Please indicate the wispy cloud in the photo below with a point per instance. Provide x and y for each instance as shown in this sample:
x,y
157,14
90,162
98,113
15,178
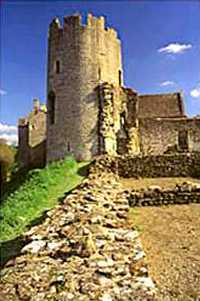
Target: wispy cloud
x,y
10,138
175,48
5,128
195,93
9,133
2,92
167,83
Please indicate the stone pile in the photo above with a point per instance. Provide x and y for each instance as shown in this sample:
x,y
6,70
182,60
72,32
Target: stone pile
x,y
185,193
86,249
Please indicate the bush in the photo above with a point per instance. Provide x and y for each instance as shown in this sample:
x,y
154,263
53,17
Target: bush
x,y
7,158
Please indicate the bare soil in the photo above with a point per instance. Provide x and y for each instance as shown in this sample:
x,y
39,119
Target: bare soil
x,y
162,182
171,239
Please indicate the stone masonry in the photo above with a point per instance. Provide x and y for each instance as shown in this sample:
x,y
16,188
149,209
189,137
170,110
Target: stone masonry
x,y
81,57
85,250
32,137
89,110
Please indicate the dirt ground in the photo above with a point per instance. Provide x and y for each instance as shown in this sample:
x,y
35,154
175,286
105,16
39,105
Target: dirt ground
x,y
162,182
171,239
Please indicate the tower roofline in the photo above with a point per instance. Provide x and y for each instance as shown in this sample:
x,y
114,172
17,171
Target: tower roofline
x,y
75,20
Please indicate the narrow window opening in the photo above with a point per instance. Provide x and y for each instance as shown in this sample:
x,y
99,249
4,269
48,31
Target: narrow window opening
x,y
68,147
120,77
99,73
183,141
57,67
51,107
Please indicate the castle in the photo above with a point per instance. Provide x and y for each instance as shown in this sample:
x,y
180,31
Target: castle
x,y
90,112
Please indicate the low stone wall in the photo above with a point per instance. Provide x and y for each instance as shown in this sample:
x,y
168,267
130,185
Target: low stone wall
x,y
175,165
85,250
155,196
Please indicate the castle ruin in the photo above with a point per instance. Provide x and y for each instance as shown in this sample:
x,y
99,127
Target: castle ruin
x,y
90,112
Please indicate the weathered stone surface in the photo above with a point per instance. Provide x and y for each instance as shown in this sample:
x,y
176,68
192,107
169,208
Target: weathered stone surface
x,y
161,135
82,251
174,165
186,193
32,138
88,55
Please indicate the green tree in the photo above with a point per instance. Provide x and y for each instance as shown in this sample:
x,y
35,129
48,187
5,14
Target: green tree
x,y
7,158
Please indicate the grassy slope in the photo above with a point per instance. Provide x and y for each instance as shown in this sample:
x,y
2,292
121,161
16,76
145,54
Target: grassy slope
x,y
38,193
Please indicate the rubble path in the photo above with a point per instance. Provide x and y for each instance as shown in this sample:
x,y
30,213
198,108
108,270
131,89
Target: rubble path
x,y
86,249
171,239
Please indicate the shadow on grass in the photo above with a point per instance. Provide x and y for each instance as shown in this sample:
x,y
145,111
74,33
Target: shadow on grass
x,y
17,179
11,249
84,170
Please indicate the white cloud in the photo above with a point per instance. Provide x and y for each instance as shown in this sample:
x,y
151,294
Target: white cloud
x,y
195,92
10,138
9,133
167,83
2,92
175,48
5,128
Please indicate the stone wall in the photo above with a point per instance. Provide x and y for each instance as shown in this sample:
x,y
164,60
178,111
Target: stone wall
x,y
155,196
87,55
128,134
158,136
85,249
175,165
161,105
32,140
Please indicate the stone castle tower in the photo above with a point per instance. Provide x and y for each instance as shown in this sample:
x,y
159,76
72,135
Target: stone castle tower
x,y
80,59
89,110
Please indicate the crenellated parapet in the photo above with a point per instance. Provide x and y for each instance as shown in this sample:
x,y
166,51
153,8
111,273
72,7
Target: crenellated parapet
x,y
75,22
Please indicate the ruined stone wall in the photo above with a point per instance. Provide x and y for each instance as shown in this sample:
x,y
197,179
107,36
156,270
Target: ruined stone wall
x,y
161,105
32,140
85,248
157,135
185,193
87,55
128,134
109,117
174,165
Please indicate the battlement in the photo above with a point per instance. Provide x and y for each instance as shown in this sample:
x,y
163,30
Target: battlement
x,y
22,122
37,110
76,22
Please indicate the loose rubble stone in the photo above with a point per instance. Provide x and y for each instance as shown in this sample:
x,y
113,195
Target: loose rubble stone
x,y
34,247
84,250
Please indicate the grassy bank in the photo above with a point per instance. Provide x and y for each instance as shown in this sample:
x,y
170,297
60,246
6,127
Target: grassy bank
x,y
41,191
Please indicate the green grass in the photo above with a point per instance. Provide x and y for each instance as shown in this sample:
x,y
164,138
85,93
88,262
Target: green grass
x,y
40,191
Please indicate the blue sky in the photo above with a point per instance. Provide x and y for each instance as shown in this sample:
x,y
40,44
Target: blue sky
x,y
160,45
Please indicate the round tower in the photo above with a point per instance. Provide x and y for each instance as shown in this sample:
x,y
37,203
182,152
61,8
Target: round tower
x,y
80,58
